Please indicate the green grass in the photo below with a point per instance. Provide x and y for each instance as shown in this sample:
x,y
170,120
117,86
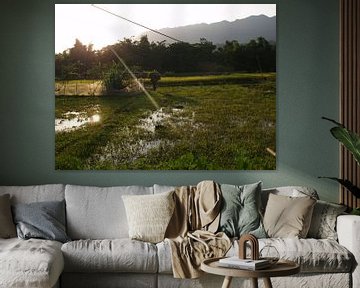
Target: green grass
x,y
222,77
222,126
234,78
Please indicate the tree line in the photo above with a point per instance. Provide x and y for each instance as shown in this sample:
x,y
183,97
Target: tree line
x,y
83,62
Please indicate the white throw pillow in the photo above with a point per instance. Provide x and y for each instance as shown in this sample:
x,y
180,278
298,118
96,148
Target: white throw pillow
x,y
149,215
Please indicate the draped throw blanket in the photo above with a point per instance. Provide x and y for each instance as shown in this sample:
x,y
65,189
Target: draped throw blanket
x,y
191,231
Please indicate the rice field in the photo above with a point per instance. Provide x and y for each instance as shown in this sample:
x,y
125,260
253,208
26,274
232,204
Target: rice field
x,y
210,122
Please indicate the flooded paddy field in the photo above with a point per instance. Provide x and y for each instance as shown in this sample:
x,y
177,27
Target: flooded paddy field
x,y
218,126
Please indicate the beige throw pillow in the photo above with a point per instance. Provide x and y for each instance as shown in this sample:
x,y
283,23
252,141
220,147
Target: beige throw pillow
x,y
148,215
288,217
7,226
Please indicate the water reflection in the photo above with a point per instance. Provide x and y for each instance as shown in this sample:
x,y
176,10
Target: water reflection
x,y
75,121
159,117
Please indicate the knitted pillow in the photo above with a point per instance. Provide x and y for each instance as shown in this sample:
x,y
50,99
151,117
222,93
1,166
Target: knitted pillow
x,y
149,215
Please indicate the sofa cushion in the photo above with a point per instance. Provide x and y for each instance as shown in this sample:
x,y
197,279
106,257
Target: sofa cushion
x,y
149,215
313,255
240,210
323,222
98,213
7,226
43,220
30,263
164,257
287,216
36,193
163,188
117,255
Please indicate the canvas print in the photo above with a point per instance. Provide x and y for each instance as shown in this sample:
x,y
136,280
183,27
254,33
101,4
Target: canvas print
x,y
165,86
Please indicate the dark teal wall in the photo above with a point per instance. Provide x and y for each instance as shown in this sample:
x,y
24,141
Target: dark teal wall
x,y
307,89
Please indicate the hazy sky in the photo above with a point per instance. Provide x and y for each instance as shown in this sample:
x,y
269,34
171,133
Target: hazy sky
x,y
91,25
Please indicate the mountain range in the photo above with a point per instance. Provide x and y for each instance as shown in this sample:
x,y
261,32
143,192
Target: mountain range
x,y
242,30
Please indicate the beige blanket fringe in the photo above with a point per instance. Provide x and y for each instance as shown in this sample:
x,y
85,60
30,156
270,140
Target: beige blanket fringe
x,y
191,231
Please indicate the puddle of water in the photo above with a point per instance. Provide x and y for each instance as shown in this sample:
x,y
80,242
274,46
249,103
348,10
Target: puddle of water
x,y
119,154
159,117
155,119
75,121
135,147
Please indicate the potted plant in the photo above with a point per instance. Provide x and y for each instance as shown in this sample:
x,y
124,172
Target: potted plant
x,y
351,141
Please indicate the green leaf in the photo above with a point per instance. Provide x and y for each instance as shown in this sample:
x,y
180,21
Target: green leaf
x,y
355,211
347,184
349,139
333,121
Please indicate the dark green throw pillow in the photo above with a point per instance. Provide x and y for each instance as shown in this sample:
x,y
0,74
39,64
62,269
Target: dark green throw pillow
x,y
43,220
240,210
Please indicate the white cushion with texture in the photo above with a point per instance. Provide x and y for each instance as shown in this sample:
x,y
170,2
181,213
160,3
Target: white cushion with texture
x,y
117,255
313,255
30,263
98,213
348,229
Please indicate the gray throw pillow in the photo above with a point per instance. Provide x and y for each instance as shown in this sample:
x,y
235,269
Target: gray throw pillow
x,y
44,220
7,227
323,222
240,213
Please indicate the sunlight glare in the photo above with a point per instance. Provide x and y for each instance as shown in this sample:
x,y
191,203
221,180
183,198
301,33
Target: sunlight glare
x,y
95,118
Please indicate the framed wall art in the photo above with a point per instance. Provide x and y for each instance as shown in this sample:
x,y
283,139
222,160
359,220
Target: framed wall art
x,y
165,87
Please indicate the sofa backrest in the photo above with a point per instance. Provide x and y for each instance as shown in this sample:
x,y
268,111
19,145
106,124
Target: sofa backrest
x,y
98,212
163,188
36,193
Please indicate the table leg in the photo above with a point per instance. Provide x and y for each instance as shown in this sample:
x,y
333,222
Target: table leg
x,y
267,283
227,282
254,282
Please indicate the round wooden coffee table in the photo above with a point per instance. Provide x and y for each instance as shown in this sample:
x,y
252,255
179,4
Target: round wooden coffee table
x,y
281,268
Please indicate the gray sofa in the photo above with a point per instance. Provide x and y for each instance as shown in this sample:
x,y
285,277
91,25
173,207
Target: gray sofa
x,y
101,254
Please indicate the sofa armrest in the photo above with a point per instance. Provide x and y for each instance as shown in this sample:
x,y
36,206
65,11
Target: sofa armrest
x,y
348,230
